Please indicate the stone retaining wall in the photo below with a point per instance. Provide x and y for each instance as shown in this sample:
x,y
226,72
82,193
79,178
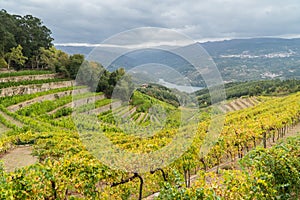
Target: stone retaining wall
x,y
49,97
30,89
28,78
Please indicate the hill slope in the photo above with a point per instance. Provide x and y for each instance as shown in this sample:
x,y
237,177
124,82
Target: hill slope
x,y
237,60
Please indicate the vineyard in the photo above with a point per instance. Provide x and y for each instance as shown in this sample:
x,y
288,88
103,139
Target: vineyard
x,y
45,118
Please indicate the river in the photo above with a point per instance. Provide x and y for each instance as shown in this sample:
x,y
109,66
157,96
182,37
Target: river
x,y
182,88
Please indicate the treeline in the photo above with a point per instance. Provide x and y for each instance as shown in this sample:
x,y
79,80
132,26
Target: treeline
x,y
160,92
97,78
25,42
252,88
18,32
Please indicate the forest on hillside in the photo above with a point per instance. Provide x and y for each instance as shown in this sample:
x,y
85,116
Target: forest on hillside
x,y
26,43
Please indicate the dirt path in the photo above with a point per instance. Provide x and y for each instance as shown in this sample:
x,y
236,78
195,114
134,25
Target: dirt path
x,y
17,158
291,132
11,119
139,119
104,108
234,105
3,129
238,104
130,112
49,97
79,102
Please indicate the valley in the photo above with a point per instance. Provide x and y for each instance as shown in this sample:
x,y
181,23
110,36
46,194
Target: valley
x,y
149,113
56,153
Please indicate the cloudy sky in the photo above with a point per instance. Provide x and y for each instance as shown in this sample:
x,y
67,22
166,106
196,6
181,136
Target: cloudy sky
x,y
92,21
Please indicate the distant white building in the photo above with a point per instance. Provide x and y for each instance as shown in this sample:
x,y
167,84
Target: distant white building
x,y
145,85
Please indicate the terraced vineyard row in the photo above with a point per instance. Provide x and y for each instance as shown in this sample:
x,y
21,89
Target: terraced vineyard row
x,y
19,83
28,78
25,88
238,104
5,74
65,169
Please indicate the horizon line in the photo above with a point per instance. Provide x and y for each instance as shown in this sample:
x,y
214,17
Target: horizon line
x,y
201,41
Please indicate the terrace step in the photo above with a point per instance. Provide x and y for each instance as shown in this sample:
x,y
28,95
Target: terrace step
x,y
49,97
29,78
34,88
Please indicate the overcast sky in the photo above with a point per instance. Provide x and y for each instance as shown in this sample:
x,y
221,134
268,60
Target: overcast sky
x,y
92,21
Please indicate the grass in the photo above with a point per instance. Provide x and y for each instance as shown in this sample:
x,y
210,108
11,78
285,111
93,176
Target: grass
x,y
24,73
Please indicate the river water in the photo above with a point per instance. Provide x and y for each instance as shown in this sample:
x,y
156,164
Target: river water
x,y
182,88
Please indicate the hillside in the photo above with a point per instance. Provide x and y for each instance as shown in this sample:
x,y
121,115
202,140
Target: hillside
x,y
252,88
144,115
256,59
237,60
58,125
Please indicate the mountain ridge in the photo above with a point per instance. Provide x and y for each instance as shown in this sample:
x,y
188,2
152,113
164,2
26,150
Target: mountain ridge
x,y
236,59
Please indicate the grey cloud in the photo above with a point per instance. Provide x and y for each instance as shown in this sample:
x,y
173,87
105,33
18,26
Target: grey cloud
x,y
93,21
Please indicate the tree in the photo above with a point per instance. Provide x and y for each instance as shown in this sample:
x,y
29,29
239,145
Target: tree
x,y
124,88
103,83
108,81
45,58
3,63
51,58
62,60
7,28
32,34
28,31
90,74
16,57
74,64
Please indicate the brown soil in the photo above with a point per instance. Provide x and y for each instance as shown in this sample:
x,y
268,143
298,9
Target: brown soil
x,y
3,129
10,119
294,131
17,158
